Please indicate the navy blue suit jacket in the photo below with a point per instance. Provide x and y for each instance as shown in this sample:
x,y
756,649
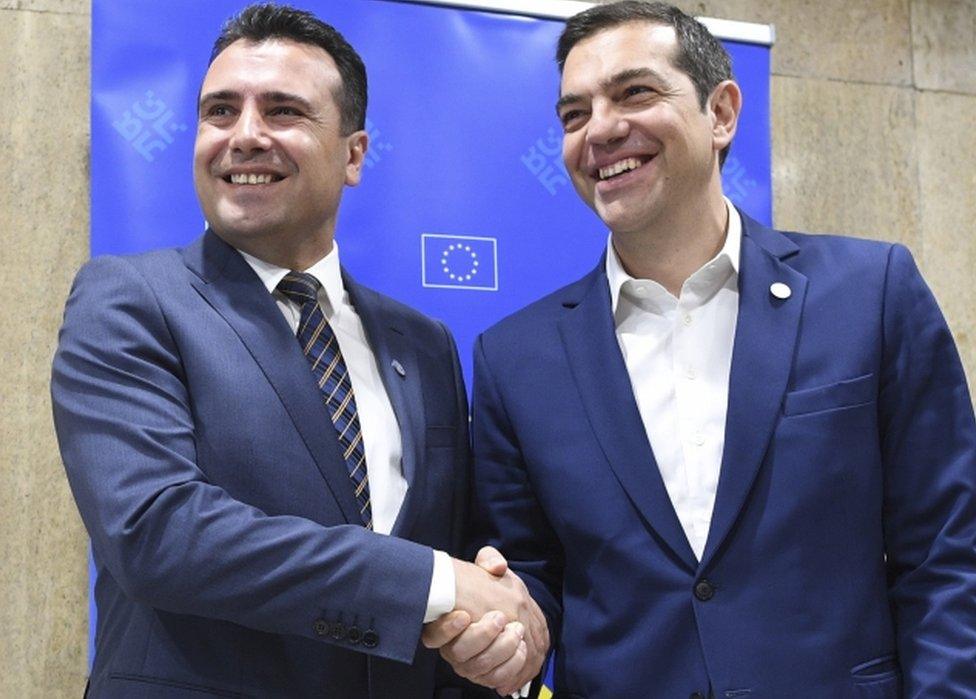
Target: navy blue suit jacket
x,y
223,523
841,559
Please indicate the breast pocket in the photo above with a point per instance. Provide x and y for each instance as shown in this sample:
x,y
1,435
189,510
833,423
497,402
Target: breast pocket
x,y
843,394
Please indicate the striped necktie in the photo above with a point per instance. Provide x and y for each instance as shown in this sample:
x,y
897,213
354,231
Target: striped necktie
x,y
321,349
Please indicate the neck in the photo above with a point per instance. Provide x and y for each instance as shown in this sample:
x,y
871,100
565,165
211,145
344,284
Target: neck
x,y
675,247
288,252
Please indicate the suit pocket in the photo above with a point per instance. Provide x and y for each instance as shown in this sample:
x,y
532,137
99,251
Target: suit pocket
x,y
843,394
174,688
441,436
878,679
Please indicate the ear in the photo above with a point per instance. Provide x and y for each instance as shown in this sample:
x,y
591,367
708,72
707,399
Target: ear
x,y
356,145
724,105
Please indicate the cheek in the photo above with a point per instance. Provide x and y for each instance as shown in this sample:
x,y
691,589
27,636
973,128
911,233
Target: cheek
x,y
571,154
205,151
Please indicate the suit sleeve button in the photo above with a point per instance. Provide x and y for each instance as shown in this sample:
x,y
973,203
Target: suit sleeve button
x,y
704,590
320,627
338,631
371,639
354,635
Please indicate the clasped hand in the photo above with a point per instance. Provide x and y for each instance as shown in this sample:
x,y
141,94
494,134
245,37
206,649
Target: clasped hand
x,y
496,636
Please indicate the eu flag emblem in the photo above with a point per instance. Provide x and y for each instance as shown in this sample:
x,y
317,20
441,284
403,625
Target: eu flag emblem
x,y
459,262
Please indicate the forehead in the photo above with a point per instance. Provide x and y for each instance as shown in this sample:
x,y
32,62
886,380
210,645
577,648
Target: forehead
x,y
609,52
273,65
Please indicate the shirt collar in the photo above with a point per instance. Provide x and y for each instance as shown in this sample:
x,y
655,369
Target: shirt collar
x,y
729,254
326,270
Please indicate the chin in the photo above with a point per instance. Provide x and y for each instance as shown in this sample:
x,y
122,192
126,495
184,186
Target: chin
x,y
239,229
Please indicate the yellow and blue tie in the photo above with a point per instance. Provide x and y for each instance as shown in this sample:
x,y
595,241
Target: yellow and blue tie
x,y
321,349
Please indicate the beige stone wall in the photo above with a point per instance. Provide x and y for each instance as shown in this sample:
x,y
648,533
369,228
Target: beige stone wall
x,y
874,134
44,214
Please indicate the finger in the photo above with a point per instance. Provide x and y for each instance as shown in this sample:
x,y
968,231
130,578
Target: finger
x,y
475,639
505,676
445,629
502,649
536,627
491,560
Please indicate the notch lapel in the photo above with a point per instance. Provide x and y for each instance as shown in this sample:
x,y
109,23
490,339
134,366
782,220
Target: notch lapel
x,y
762,359
232,288
391,347
598,368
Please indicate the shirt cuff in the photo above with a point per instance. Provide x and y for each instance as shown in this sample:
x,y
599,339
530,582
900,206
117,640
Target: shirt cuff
x,y
440,599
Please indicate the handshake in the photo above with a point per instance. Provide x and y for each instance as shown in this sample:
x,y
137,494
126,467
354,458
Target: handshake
x,y
496,636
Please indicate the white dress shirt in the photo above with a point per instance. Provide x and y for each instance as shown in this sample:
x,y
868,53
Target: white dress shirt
x,y
381,432
678,353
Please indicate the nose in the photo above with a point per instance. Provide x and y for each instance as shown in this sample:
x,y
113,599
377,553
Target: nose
x,y
250,131
606,125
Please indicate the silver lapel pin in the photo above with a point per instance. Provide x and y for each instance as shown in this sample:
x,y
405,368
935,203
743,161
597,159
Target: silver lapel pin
x,y
780,290
398,368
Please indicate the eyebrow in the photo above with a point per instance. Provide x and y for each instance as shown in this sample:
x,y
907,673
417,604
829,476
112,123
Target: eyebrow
x,y
274,97
614,81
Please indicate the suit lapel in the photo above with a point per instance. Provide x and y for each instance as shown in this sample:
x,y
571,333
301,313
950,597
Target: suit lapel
x,y
762,358
232,288
605,390
393,351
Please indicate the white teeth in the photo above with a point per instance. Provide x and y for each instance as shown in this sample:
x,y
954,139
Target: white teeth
x,y
624,165
251,179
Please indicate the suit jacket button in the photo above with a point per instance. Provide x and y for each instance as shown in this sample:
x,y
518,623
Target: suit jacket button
x,y
371,639
321,627
704,590
338,631
697,695
354,635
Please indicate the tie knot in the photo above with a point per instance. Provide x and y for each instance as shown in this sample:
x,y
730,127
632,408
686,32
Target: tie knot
x,y
300,287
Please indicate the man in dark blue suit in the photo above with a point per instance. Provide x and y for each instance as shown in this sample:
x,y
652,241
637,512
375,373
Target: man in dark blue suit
x,y
271,459
730,461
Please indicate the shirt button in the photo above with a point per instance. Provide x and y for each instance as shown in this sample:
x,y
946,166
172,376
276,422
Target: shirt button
x,y
690,373
698,438
687,319
640,290
704,590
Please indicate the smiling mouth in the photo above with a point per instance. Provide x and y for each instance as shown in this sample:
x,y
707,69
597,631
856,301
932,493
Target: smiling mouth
x,y
252,178
620,167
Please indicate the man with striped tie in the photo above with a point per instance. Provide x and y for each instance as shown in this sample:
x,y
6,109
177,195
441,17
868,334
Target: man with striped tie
x,y
270,517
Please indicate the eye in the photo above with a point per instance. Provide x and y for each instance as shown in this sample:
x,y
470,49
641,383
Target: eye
x,y
217,111
284,110
635,90
572,119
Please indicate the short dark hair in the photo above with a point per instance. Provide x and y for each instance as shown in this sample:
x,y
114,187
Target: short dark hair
x,y
264,21
699,55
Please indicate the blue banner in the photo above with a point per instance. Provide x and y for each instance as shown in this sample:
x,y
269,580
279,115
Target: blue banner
x,y
465,210
465,149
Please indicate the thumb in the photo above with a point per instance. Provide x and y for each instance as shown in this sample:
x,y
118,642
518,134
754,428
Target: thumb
x,y
491,560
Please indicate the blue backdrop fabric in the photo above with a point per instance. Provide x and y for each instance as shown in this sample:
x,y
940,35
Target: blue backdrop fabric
x,y
465,210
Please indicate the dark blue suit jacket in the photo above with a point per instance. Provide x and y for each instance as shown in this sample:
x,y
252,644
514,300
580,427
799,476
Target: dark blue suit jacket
x,y
223,522
841,560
